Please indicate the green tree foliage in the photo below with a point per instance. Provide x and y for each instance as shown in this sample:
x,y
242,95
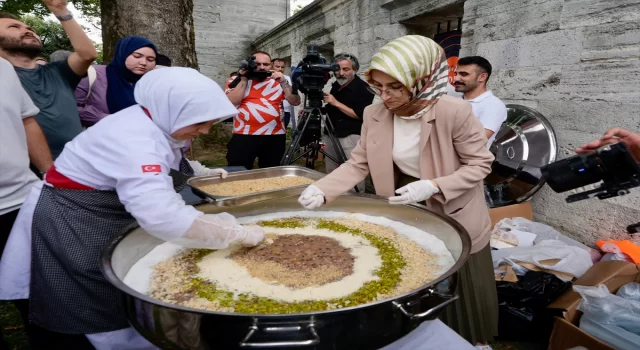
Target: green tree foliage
x,y
297,9
89,8
51,34
100,59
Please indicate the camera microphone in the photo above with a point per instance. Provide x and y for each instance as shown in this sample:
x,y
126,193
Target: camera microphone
x,y
243,65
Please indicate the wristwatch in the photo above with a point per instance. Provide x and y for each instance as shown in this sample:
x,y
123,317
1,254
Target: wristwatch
x,y
66,17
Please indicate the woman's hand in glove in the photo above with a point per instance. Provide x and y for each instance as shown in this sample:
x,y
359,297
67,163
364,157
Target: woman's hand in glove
x,y
201,170
414,192
312,197
217,231
215,172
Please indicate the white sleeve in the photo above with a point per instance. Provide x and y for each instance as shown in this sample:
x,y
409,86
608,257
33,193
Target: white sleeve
x,y
146,190
27,108
493,117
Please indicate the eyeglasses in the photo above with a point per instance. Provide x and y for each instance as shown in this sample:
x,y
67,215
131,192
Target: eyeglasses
x,y
393,92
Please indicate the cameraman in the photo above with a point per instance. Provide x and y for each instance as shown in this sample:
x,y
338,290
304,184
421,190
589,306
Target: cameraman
x,y
345,104
258,129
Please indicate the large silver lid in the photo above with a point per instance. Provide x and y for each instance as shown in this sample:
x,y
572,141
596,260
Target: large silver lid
x,y
525,143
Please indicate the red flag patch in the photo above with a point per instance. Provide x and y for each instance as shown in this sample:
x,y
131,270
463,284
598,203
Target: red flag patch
x,y
153,168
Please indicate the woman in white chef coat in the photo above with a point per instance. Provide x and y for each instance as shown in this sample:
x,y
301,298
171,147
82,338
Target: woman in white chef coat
x,y
124,169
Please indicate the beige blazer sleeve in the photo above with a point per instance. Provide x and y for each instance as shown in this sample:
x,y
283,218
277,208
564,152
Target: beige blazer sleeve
x,y
470,143
350,173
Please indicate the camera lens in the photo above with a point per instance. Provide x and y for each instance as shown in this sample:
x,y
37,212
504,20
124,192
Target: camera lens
x,y
610,164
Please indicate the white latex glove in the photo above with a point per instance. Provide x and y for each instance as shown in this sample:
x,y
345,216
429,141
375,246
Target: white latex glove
x,y
414,192
217,231
312,197
201,170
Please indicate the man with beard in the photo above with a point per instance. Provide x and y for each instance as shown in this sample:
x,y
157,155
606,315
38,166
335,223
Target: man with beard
x,y
278,66
258,130
345,105
471,78
51,86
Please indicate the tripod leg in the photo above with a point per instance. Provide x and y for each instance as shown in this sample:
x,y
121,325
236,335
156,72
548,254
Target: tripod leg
x,y
311,160
295,142
334,140
336,144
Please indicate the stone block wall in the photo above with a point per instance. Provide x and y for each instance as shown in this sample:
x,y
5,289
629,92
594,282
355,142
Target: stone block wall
x,y
225,29
357,27
578,63
575,61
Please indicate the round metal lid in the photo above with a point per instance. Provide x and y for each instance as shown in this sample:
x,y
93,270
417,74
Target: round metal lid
x,y
525,143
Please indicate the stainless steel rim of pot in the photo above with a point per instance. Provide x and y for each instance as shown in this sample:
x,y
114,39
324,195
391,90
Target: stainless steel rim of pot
x,y
107,267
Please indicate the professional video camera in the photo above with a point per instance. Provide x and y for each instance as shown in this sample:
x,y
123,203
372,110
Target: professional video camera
x,y
312,74
252,72
310,77
613,165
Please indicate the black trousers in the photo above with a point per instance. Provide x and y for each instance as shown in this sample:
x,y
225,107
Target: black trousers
x,y
6,223
243,150
39,338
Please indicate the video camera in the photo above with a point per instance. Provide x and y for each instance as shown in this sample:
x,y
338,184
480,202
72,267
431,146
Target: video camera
x,y
252,72
613,165
312,74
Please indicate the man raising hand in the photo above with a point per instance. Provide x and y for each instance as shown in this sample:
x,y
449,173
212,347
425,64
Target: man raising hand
x,y
51,86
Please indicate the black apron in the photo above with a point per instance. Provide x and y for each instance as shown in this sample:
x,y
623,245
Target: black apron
x,y
68,293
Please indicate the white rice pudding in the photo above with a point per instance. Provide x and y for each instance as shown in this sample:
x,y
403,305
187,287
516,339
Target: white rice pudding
x,y
228,275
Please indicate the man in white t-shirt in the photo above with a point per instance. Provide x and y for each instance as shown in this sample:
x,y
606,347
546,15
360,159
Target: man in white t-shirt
x,y
289,112
22,140
471,78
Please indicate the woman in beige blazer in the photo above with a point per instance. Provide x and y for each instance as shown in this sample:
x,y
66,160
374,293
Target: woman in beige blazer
x,y
426,146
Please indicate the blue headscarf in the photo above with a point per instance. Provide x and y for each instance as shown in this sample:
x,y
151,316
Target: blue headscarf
x,y
121,81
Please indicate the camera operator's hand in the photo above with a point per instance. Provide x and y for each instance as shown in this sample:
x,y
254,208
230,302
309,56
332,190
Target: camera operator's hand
x,y
329,99
615,135
242,72
278,76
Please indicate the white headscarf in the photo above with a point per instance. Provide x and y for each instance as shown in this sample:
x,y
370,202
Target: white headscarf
x,y
177,97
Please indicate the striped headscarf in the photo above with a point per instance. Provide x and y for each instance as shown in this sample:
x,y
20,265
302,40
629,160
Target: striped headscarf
x,y
419,64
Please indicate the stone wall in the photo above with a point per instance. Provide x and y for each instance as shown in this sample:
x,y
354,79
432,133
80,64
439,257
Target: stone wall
x,y
224,31
578,63
575,61
358,27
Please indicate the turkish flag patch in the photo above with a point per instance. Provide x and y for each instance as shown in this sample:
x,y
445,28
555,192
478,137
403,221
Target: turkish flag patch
x,y
153,168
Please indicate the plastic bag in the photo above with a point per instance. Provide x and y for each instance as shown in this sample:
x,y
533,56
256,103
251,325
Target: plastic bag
x,y
599,305
505,235
573,260
545,232
522,306
630,291
615,336
616,257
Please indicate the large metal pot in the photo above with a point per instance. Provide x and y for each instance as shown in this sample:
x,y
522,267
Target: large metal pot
x,y
369,326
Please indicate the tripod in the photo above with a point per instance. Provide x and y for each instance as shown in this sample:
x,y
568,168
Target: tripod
x,y
309,134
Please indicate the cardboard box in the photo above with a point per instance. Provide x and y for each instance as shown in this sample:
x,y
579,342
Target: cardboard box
x,y
520,210
566,332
